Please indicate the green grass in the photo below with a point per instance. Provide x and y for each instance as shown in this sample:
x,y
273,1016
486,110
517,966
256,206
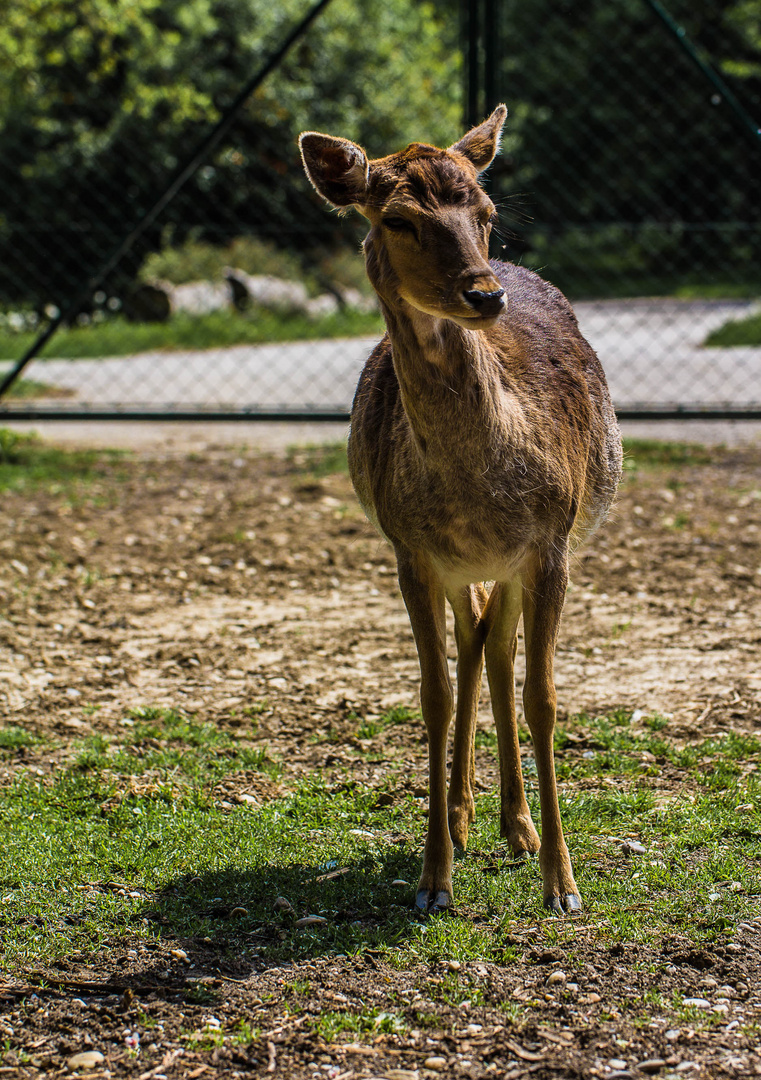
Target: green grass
x,y
368,728
118,337
736,332
28,389
27,463
662,454
172,748
318,461
130,839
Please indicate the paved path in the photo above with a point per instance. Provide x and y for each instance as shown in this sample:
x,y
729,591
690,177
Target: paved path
x,y
651,350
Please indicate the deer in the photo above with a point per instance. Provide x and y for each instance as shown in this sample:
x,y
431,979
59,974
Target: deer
x,y
484,447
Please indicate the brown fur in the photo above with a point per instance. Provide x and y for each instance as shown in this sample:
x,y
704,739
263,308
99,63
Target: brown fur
x,y
483,445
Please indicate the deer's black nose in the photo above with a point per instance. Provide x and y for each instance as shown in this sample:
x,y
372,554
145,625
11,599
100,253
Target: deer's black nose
x,y
485,303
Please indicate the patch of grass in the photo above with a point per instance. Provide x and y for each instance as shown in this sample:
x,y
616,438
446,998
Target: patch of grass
x,y
28,389
171,747
96,854
27,463
658,454
14,738
318,461
219,329
736,332
399,714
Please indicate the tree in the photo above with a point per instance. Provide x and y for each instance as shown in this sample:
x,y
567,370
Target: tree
x,y
101,100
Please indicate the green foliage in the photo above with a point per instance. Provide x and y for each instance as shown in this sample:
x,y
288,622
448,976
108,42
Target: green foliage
x,y
736,332
200,261
629,177
100,103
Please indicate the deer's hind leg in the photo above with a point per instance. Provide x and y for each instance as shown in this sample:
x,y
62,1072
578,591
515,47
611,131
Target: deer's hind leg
x,y
543,599
424,596
501,622
467,605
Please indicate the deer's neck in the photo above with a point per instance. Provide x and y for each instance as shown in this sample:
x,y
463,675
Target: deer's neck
x,y
452,386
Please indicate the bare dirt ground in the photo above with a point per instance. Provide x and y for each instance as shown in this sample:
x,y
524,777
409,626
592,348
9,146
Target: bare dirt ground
x,y
205,583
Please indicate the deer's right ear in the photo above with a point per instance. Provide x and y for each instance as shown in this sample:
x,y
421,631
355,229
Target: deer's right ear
x,y
337,168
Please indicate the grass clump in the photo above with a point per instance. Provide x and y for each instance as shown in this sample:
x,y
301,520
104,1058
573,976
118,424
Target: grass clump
x,y
27,463
736,332
318,461
659,454
171,747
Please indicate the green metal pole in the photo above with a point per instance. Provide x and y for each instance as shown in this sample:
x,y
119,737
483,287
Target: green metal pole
x,y
749,126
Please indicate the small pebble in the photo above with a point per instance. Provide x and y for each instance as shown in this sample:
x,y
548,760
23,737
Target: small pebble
x,y
556,978
686,1066
454,965
617,1063
238,913
652,1065
633,847
311,920
401,1074
709,982
436,1064
400,883
473,1029
179,954
672,1034
696,1003
86,1060
283,905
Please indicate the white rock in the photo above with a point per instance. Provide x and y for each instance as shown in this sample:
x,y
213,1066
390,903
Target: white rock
x,y
271,292
325,304
557,978
89,1059
696,1003
200,297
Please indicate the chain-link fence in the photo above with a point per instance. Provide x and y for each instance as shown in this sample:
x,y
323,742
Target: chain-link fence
x,y
162,253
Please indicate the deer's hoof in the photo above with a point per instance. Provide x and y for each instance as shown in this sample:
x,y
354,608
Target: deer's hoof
x,y
429,902
570,904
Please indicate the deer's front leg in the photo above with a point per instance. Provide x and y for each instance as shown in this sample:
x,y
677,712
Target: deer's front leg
x,y
467,605
543,597
424,596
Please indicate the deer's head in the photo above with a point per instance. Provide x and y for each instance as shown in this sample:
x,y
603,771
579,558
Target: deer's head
x,y
429,217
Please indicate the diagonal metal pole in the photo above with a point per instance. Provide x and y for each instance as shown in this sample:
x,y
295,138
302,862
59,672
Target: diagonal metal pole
x,y
184,174
748,124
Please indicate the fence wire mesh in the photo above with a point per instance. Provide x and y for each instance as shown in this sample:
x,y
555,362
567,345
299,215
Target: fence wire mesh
x,y
628,176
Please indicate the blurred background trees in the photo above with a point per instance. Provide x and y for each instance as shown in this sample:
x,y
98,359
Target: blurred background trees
x,y
618,157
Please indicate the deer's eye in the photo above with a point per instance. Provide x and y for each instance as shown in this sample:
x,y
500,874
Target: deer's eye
x,y
399,224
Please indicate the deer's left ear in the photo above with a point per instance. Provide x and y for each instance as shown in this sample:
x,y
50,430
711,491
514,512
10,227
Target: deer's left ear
x,y
482,143
337,168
